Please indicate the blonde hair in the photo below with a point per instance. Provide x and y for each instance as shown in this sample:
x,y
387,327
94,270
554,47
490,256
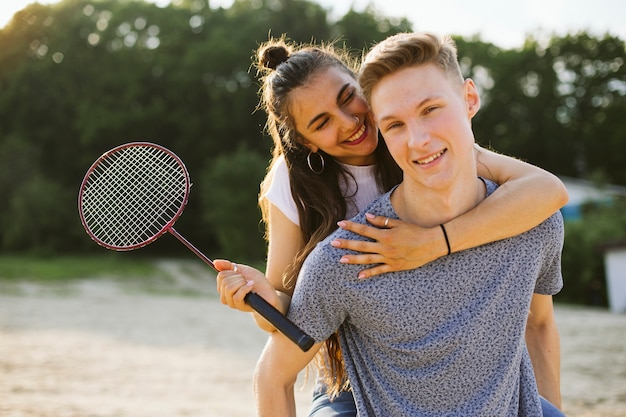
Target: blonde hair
x,y
406,50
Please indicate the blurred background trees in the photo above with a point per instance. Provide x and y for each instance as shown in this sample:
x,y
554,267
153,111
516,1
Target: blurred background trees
x,y
80,77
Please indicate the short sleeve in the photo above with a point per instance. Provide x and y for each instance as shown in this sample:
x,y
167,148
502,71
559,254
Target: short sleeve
x,y
279,191
550,279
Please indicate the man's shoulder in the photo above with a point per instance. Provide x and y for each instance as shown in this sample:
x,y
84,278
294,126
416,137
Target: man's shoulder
x,y
325,257
553,225
379,207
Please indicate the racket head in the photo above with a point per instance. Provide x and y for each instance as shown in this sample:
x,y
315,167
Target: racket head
x,y
133,194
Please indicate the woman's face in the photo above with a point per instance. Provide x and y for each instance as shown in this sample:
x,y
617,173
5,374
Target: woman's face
x,y
325,113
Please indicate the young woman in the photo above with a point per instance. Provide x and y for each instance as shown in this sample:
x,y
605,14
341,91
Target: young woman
x,y
328,163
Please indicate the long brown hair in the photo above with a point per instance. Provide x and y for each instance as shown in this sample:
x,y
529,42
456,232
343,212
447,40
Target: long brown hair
x,y
284,66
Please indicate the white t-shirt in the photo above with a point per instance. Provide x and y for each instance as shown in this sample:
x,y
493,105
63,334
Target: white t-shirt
x,y
279,191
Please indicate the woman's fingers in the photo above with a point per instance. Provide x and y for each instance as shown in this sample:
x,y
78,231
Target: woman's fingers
x,y
233,287
376,270
356,245
235,281
374,231
380,264
223,265
380,221
392,245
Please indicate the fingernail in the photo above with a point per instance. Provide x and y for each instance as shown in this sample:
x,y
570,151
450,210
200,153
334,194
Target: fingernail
x,y
341,223
344,260
335,243
369,215
249,283
362,275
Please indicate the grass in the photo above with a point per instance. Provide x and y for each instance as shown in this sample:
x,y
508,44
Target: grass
x,y
56,269
132,274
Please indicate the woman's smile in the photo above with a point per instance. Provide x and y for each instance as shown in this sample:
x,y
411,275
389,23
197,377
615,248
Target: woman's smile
x,y
359,136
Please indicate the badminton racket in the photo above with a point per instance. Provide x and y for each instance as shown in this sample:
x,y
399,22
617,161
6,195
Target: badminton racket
x,y
133,194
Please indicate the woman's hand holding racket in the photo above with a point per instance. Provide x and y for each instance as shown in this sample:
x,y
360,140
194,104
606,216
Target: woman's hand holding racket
x,y
236,281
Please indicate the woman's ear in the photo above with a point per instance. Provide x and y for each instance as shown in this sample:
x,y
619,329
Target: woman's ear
x,y
307,144
472,98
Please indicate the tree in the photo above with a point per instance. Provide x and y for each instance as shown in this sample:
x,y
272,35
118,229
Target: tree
x,y
558,105
229,189
361,31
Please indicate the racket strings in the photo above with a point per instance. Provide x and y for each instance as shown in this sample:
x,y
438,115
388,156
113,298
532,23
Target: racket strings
x,y
132,195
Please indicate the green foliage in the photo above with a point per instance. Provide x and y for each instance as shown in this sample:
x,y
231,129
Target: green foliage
x,y
363,30
229,187
583,251
556,105
62,268
37,213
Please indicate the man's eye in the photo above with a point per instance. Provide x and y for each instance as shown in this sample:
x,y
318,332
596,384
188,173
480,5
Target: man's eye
x,y
393,126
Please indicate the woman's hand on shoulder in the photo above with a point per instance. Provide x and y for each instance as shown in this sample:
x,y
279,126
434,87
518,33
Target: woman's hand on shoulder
x,y
235,281
396,245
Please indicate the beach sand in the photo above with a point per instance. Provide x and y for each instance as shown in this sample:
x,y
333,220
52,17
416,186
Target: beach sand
x,y
112,348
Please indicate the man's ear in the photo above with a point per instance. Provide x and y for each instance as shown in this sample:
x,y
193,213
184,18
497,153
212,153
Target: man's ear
x,y
472,98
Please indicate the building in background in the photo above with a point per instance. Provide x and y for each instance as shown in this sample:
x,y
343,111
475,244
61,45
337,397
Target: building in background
x,y
583,191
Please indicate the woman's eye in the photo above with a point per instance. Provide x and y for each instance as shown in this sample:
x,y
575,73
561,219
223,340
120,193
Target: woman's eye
x,y
322,124
348,98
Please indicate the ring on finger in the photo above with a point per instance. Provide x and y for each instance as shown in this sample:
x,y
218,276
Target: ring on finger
x,y
386,221
235,267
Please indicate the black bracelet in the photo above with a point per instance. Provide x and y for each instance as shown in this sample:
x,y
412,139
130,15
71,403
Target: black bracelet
x,y
445,235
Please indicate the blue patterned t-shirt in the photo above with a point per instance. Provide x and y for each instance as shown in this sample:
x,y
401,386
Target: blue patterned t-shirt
x,y
445,339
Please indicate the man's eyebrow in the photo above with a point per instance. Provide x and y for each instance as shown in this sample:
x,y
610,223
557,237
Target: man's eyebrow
x,y
417,106
339,94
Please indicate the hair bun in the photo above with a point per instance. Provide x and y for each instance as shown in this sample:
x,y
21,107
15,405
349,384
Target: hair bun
x,y
272,56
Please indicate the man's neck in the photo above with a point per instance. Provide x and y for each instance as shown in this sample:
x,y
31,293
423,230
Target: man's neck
x,y
429,207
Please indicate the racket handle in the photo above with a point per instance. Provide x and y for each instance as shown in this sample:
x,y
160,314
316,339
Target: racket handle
x,y
282,323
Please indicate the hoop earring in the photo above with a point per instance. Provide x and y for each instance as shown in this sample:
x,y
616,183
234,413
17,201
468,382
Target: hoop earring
x,y
308,161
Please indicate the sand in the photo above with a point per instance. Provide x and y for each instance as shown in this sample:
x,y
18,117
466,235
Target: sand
x,y
107,347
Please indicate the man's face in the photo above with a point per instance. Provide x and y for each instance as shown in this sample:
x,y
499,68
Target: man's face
x,y
425,118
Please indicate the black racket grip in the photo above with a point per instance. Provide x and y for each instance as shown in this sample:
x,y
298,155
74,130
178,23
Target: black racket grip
x,y
282,323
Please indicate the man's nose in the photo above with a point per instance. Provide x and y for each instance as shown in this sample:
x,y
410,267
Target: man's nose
x,y
417,136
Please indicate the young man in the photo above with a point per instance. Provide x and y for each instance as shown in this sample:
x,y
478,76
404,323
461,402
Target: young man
x,y
447,338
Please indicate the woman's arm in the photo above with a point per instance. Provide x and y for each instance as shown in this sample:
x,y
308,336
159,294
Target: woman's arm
x,y
528,195
284,242
544,348
276,373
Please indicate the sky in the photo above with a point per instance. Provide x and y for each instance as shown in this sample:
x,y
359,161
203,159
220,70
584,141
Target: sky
x,y
505,23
